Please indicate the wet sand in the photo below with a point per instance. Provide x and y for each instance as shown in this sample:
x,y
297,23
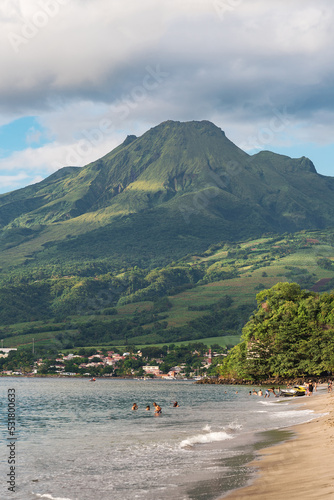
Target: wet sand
x,y
301,468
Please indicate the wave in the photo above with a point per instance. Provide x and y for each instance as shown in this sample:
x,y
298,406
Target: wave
x,y
50,497
269,403
210,437
234,426
291,413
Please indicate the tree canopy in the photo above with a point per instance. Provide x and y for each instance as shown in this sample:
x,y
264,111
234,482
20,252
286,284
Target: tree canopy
x,y
291,334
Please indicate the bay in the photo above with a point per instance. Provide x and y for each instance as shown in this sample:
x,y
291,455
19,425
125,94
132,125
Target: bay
x,y
80,440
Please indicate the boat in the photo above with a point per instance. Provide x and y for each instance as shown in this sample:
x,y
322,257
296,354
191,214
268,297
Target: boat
x,y
298,390
92,379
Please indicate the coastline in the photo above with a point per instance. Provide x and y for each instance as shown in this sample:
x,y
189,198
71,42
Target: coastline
x,y
300,468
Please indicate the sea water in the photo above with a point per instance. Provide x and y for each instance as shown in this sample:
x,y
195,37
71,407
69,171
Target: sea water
x,y
80,440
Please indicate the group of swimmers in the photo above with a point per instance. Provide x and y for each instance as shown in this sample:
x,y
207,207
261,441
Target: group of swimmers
x,y
157,408
266,394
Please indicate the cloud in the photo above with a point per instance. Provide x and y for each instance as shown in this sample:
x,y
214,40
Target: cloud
x,y
77,63
97,50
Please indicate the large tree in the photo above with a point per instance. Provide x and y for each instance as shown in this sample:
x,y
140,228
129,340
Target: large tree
x,y
291,334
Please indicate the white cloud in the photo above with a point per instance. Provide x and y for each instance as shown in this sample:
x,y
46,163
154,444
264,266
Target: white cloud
x,y
79,62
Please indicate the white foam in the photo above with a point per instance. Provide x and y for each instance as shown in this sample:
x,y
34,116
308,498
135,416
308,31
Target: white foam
x,y
50,497
234,426
291,413
211,437
268,403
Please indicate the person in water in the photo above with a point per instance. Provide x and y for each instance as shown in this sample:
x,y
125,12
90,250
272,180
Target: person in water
x,y
157,409
134,406
148,408
176,404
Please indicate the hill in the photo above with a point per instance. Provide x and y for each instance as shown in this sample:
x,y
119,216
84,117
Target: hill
x,y
167,238
173,191
207,297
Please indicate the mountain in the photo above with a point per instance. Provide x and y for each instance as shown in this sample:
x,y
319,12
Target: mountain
x,y
175,190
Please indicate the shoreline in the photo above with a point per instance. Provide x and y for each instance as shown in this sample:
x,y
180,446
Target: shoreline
x,y
301,467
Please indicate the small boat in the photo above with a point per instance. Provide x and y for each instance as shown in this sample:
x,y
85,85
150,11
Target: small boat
x,y
92,380
298,390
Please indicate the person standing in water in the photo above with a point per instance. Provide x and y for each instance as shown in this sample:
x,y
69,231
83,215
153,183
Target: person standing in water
x,y
157,409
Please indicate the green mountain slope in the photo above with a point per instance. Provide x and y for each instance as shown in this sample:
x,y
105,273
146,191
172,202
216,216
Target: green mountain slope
x,y
175,190
208,295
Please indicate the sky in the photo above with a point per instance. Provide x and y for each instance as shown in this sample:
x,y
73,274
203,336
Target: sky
x,y
78,76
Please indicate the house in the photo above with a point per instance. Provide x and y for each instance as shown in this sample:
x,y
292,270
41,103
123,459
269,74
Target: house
x,y
151,370
4,351
96,356
117,357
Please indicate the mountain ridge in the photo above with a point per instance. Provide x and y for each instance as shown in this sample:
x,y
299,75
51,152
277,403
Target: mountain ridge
x,y
180,186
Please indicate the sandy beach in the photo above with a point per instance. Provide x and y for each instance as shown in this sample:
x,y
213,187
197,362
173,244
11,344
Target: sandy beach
x,y
301,468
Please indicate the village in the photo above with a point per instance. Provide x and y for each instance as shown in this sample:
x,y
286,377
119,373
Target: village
x,y
191,361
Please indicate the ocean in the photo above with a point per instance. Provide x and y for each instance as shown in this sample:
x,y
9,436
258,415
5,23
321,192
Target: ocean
x,y
80,440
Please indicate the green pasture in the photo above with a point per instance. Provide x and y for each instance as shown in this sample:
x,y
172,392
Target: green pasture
x,y
43,338
222,341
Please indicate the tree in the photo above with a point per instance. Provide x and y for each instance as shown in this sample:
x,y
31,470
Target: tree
x,y
291,334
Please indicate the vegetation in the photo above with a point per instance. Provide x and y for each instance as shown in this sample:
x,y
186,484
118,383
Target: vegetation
x,y
184,301
291,334
176,190
188,358
167,238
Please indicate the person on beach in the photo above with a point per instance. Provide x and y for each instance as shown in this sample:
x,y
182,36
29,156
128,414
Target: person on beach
x,y
310,388
330,385
134,406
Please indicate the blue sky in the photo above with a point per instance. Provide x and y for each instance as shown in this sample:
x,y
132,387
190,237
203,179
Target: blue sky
x,y
20,134
80,75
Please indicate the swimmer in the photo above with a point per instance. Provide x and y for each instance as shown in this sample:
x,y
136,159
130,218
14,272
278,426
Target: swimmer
x,y
134,406
176,404
148,408
157,409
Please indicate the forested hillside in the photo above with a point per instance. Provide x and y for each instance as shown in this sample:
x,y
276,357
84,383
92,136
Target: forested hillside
x,y
207,295
168,237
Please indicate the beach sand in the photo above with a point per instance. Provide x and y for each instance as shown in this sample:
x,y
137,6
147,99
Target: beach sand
x,y
301,468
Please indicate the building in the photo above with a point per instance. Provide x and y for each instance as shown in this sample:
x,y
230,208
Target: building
x,y
4,351
151,370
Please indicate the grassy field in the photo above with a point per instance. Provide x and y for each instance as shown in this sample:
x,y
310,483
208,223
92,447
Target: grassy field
x,y
221,341
259,267
44,338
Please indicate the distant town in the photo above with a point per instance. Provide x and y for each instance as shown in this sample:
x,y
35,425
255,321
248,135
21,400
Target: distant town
x,y
194,360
